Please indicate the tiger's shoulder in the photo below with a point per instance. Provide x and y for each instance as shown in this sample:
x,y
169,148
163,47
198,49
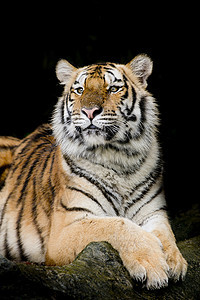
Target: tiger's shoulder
x,y
41,136
15,153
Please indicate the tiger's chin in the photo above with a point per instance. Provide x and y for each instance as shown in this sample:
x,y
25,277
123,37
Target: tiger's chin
x,y
94,138
93,135
93,131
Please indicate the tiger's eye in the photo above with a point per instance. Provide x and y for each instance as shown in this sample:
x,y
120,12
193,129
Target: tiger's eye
x,y
79,91
114,89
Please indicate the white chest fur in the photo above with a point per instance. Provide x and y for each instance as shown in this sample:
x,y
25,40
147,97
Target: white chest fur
x,y
115,187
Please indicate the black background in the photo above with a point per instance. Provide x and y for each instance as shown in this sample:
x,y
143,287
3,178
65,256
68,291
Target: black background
x,y
35,37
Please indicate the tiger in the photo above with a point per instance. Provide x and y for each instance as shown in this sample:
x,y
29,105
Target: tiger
x,y
94,173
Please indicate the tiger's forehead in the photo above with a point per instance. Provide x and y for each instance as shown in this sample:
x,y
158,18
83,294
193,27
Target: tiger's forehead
x,y
108,73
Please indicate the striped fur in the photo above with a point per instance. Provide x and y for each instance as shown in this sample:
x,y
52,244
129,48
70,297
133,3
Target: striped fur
x,y
7,148
94,175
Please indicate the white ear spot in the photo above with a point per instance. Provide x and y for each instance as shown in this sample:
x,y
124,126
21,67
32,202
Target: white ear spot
x,y
64,71
142,67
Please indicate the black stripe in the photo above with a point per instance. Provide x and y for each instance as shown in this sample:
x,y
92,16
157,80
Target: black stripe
x,y
2,184
24,149
163,208
68,119
134,97
36,187
128,152
18,181
35,216
75,82
110,131
45,162
151,198
27,180
132,169
125,96
3,168
130,115
21,200
117,80
141,126
3,147
114,78
112,65
127,136
29,142
83,173
23,257
108,71
69,100
6,247
76,209
147,183
88,195
153,175
31,168
51,186
142,106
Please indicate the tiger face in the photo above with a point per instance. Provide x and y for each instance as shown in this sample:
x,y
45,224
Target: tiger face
x,y
103,103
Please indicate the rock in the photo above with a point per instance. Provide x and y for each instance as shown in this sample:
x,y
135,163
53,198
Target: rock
x,y
187,224
98,273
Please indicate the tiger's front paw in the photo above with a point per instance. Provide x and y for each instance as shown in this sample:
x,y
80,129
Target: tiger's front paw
x,y
147,263
177,264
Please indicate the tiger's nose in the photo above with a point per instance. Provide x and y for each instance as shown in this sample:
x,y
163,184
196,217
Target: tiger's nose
x,y
91,113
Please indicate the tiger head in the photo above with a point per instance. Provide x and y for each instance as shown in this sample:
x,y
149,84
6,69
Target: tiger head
x,y
103,105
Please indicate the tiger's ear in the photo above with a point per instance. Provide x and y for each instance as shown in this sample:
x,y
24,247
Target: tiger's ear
x,y
142,67
64,71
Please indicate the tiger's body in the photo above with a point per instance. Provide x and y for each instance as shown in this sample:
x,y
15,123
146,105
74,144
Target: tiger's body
x,y
94,175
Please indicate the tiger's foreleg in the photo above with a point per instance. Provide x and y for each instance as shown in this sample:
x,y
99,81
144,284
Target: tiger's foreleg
x,y
141,252
161,228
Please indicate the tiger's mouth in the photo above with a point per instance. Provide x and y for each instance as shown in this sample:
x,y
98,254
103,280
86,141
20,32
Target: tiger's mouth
x,y
93,127
107,132
93,130
90,129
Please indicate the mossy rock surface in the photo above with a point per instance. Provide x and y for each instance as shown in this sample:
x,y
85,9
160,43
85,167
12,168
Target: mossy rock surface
x,y
96,273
